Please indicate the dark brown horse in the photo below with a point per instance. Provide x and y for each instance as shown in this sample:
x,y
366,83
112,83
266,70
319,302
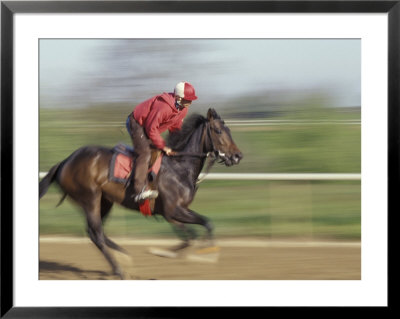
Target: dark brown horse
x,y
84,177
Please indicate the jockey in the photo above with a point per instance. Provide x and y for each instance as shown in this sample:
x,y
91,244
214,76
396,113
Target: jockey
x,y
145,125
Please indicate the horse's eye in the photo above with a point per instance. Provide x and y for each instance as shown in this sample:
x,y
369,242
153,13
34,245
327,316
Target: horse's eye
x,y
218,131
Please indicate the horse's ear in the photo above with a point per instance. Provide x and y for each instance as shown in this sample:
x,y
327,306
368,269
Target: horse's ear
x,y
211,114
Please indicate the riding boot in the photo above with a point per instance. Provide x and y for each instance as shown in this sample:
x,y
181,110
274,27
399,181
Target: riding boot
x,y
145,194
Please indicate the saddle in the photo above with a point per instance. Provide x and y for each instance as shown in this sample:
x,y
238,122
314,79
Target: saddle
x,y
121,166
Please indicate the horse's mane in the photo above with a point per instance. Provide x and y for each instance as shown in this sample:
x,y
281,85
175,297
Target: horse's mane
x,y
178,140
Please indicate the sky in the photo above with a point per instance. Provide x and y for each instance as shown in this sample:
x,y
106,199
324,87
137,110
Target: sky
x,y
79,72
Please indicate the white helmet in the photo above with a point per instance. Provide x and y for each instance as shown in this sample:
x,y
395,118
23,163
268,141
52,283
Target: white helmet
x,y
186,91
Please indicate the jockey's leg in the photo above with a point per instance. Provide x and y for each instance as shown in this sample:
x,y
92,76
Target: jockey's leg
x,y
142,148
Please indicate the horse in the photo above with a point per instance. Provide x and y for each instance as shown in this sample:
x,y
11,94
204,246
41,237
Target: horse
x,y
84,177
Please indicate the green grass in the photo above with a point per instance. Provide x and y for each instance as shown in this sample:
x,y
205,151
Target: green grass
x,y
237,209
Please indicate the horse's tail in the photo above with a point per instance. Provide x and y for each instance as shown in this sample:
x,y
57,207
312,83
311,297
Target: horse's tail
x,y
61,200
48,179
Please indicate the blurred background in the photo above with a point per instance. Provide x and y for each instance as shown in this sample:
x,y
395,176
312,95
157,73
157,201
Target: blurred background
x,y
293,106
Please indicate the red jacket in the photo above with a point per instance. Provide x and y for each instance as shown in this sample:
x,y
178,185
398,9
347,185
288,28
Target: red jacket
x,y
158,114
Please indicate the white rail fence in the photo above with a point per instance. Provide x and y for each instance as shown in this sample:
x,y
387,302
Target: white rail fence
x,y
281,176
276,176
228,122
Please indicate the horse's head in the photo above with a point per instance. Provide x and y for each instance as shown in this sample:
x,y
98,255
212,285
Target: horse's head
x,y
221,140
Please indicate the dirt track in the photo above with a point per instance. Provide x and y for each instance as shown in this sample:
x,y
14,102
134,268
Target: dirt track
x,y
252,261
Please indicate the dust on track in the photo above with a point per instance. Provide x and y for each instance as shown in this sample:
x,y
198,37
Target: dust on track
x,y
79,259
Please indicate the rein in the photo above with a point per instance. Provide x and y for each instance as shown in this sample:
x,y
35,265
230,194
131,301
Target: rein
x,y
194,154
210,164
211,155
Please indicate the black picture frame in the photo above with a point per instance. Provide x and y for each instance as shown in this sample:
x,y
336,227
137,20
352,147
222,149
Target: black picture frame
x,y
9,8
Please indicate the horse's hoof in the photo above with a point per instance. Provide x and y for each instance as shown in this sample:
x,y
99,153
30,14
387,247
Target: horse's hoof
x,y
208,250
206,255
125,276
163,252
120,274
180,247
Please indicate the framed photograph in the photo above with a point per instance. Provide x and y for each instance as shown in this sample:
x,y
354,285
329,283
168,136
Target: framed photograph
x,y
309,95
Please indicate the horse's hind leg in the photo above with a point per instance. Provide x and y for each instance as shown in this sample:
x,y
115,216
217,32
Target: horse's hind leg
x,y
105,209
119,253
96,232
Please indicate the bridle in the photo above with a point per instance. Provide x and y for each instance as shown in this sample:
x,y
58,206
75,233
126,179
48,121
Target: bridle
x,y
213,152
211,155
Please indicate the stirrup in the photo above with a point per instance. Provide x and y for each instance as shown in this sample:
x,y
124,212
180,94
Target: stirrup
x,y
146,194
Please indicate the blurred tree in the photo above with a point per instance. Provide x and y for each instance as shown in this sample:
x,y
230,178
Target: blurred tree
x,y
134,70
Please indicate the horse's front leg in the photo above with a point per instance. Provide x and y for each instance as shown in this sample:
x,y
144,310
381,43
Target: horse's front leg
x,y
184,233
208,252
187,216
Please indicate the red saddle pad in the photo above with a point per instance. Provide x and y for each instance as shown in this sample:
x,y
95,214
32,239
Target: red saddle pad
x,y
121,167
